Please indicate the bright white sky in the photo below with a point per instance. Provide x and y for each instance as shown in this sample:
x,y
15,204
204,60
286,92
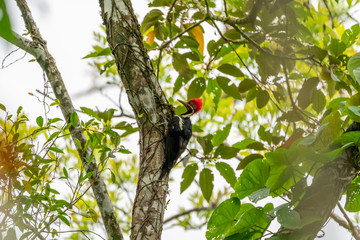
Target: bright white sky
x,y
68,27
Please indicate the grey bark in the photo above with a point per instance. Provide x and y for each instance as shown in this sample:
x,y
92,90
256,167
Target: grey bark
x,y
151,110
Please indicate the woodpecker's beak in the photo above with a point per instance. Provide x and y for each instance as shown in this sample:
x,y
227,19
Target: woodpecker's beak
x,y
184,103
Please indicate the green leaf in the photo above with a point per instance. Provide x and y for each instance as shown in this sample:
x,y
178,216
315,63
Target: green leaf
x,y
246,85
52,136
230,70
206,143
99,52
206,183
318,52
188,176
11,234
259,194
318,101
160,3
187,42
18,111
354,113
181,65
5,24
262,98
113,177
232,34
349,137
221,135
65,173
268,65
230,90
353,67
226,152
57,150
264,135
252,218
53,191
74,118
352,198
306,92
248,159
253,178
223,218
227,172
124,151
213,47
87,175
196,88
288,218
2,107
25,235
244,143
90,112
107,115
64,220
337,47
251,94
349,35
150,19
40,121
53,120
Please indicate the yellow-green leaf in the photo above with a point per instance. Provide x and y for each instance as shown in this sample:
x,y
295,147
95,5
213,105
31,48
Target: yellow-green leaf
x,y
27,186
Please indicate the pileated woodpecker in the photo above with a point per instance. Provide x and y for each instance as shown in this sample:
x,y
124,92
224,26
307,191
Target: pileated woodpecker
x,y
178,134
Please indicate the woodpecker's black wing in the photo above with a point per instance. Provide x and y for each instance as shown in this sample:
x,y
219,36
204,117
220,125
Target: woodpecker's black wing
x,y
176,140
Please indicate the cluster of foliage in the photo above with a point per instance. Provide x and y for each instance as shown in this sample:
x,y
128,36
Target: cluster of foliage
x,y
279,80
41,183
274,70
29,201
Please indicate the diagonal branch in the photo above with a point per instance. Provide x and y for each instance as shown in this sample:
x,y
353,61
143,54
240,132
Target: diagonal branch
x,y
37,47
354,231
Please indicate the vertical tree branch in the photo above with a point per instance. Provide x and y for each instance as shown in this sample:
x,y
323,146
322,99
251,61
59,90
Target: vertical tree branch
x,y
37,47
151,110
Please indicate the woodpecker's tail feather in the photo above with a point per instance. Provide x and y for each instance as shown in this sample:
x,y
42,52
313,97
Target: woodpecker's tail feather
x,y
165,170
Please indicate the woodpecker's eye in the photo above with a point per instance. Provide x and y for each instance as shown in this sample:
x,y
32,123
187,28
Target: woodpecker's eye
x,y
192,106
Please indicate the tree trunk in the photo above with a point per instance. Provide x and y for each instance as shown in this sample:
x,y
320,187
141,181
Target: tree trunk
x,y
151,110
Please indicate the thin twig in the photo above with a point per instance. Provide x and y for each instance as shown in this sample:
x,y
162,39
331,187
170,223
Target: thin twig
x,y
8,55
330,14
224,19
225,8
165,44
351,227
198,209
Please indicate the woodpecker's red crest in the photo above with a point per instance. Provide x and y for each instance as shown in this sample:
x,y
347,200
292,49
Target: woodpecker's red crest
x,y
196,104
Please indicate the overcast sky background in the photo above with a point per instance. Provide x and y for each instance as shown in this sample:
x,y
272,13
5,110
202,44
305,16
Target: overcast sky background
x,y
68,26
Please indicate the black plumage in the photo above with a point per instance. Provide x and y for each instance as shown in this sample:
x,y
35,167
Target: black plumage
x,y
176,140
178,135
